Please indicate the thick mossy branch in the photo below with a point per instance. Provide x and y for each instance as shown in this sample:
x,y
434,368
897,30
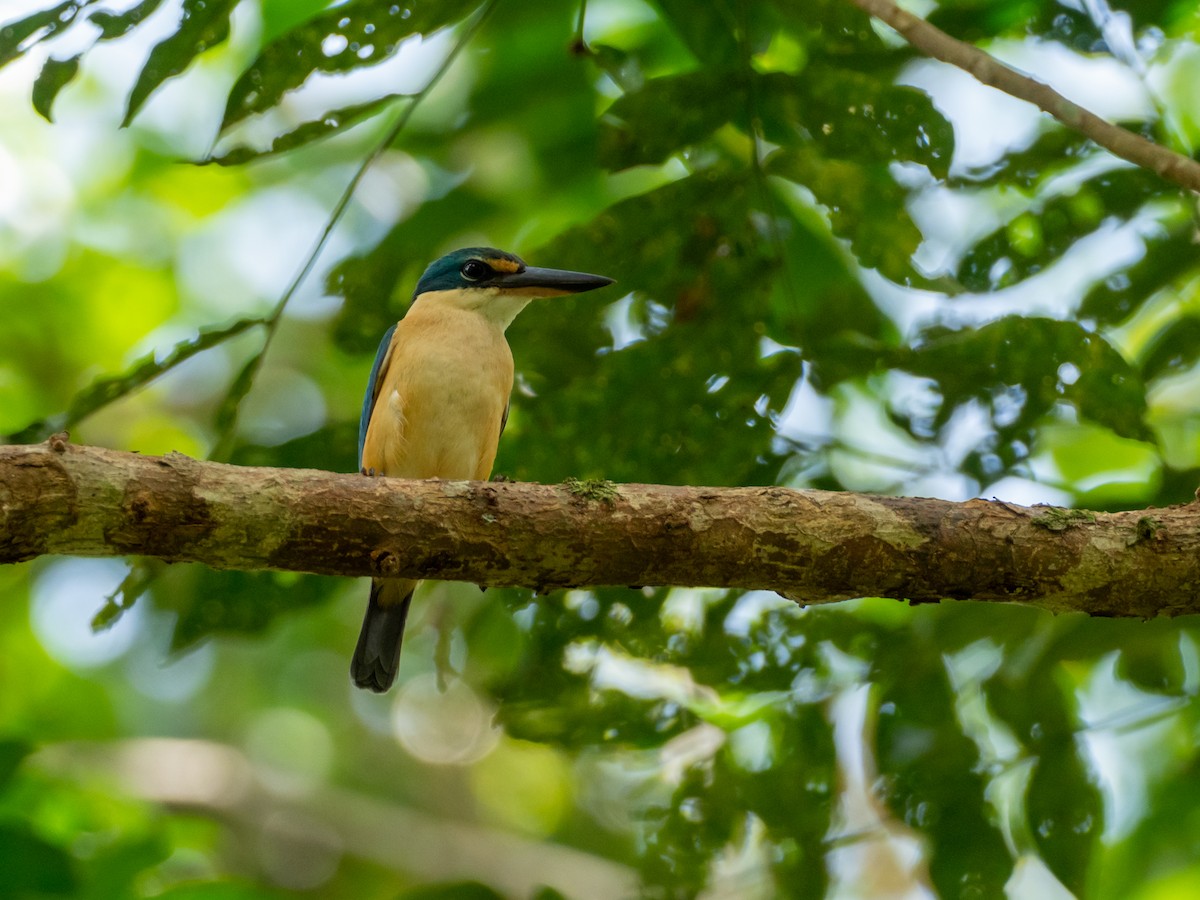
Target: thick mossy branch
x,y
812,546
597,489
1054,519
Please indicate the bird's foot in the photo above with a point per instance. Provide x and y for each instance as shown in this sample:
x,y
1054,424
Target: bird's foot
x,y
370,473
501,478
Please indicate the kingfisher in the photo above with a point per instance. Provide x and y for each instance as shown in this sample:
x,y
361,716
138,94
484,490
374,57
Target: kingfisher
x,y
437,401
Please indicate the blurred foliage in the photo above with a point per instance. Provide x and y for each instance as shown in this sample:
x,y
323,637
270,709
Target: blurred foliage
x,y
823,281
341,39
107,389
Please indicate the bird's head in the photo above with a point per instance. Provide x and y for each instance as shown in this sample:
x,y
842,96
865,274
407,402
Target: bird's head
x,y
496,284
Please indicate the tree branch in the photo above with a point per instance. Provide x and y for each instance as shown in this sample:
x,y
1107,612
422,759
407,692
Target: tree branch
x,y
812,546
216,780
934,42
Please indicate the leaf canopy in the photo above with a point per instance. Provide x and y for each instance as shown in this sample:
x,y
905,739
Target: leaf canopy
x,y
833,270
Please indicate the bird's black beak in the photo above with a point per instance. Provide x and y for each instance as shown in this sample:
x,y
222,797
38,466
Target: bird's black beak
x,y
553,281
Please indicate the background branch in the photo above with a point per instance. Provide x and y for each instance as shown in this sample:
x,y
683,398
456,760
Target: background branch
x,y
934,42
812,546
313,828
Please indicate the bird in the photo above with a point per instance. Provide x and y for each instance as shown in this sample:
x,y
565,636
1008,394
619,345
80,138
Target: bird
x,y
438,399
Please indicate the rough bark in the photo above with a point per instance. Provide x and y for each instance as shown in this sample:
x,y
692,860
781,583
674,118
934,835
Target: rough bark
x,y
812,546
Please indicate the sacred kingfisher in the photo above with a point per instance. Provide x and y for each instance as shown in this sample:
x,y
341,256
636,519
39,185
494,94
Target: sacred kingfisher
x,y
437,401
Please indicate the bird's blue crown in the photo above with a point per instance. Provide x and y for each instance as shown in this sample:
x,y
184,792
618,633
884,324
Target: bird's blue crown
x,y
466,268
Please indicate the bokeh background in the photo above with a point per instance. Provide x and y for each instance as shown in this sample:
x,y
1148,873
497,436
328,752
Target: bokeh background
x,y
840,265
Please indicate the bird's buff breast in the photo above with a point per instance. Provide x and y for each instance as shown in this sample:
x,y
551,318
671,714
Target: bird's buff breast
x,y
440,407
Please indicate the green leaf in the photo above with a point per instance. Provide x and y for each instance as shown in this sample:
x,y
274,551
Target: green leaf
x,y
680,244
351,36
817,303
1042,235
531,86
208,602
114,869
1055,149
1174,349
29,865
1030,694
1169,258
281,16
307,132
682,839
624,68
839,32
635,132
866,206
1155,663
110,388
115,25
846,114
218,890
548,703
1027,354
56,74
495,645
708,29
139,578
804,769
331,447
205,24
701,271
1066,814
12,753
17,37
460,890
1164,833
972,20
931,770
856,115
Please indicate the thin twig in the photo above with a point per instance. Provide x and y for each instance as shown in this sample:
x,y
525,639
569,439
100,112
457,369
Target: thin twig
x,y
141,576
224,440
1121,142
580,23
766,196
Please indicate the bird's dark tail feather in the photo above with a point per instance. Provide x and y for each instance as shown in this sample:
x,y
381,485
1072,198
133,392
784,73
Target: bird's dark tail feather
x,y
377,656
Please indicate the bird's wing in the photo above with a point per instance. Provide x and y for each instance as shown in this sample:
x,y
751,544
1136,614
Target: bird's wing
x,y
382,359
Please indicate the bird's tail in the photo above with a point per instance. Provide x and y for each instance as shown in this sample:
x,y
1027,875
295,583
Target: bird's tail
x,y
377,656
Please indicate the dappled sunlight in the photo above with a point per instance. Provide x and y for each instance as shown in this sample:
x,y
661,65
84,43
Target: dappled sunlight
x,y
291,750
1122,725
287,405
448,727
870,855
64,600
173,679
523,786
838,265
240,259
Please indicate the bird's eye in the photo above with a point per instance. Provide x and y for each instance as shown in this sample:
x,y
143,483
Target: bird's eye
x,y
474,270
